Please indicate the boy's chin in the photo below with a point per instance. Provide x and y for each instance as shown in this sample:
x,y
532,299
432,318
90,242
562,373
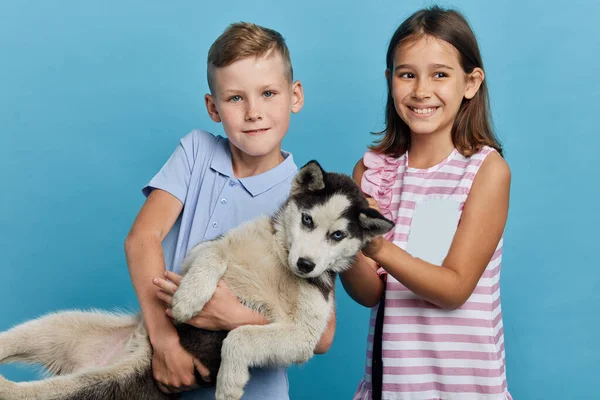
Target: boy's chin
x,y
263,147
255,150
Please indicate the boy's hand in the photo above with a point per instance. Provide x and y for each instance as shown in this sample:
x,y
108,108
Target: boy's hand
x,y
173,367
222,312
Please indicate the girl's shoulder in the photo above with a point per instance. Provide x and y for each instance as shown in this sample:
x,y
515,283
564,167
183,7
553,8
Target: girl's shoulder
x,y
493,166
376,173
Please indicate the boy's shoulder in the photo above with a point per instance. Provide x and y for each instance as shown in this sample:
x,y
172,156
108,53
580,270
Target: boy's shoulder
x,y
198,144
199,138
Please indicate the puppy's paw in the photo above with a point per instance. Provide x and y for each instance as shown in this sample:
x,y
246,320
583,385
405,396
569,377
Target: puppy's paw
x,y
228,393
187,304
231,380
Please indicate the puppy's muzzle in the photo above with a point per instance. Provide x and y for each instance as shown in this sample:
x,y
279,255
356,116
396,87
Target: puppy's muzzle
x,y
305,266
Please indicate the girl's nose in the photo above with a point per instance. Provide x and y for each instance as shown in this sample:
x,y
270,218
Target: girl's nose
x,y
421,90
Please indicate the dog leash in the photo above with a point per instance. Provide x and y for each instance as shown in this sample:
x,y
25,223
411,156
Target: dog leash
x,y
377,362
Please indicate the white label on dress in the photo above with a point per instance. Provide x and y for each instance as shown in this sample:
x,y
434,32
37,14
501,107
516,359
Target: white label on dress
x,y
434,223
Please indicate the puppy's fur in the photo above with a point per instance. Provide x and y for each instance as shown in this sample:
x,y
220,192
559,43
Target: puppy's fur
x,y
283,267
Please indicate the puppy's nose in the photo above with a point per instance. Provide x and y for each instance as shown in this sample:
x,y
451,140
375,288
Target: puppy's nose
x,y
305,266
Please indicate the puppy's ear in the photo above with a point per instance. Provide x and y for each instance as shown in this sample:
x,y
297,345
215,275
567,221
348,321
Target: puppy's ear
x,y
373,223
310,178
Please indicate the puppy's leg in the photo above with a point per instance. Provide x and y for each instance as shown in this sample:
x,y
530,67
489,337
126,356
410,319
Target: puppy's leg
x,y
203,268
127,378
67,341
253,345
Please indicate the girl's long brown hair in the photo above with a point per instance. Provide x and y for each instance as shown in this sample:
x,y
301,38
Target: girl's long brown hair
x,y
472,128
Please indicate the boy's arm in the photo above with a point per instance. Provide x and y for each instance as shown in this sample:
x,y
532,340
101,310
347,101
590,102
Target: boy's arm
x,y
172,365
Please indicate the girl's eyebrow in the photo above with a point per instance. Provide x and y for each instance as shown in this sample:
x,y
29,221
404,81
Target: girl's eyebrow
x,y
433,66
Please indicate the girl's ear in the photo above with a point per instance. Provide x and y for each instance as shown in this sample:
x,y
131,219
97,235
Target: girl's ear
x,y
474,81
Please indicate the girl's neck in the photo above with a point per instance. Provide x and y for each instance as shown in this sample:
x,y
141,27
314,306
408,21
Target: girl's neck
x,y
429,150
245,165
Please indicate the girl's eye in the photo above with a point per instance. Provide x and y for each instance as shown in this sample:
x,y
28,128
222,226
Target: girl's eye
x,y
407,75
235,98
338,236
307,220
440,75
268,93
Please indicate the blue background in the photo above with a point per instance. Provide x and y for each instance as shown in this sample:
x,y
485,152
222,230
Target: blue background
x,y
95,95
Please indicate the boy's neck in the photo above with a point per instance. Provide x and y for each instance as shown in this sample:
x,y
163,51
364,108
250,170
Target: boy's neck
x,y
245,165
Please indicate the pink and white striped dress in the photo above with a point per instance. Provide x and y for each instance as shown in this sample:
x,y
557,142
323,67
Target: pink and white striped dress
x,y
429,352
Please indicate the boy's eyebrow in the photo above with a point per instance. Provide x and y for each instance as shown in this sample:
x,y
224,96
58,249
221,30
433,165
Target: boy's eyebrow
x,y
270,85
231,91
434,66
264,87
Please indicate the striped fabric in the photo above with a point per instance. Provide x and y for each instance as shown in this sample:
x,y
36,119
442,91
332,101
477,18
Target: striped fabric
x,y
428,352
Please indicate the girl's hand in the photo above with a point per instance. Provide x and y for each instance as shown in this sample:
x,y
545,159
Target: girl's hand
x,y
373,247
373,203
222,312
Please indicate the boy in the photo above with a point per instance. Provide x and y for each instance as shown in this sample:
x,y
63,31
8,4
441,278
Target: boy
x,y
210,185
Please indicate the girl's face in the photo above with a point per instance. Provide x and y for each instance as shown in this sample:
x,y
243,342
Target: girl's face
x,y
429,84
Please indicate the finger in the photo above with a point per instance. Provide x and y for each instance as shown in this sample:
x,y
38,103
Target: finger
x,y
163,388
202,370
222,284
165,285
373,204
173,277
164,296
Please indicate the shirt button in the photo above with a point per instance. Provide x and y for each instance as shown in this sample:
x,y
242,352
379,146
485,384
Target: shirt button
x,y
215,224
232,183
223,201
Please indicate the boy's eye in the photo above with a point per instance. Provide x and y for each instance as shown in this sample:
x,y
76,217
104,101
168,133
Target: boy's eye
x,y
307,220
337,236
407,75
440,75
235,98
268,93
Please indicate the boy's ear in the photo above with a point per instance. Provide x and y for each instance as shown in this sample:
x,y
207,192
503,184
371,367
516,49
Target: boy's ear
x,y
211,107
474,81
297,97
309,179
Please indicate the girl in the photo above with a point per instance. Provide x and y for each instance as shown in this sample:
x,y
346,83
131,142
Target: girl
x,y
438,172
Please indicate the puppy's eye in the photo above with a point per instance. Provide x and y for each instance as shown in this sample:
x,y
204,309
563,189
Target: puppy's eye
x,y
337,236
307,220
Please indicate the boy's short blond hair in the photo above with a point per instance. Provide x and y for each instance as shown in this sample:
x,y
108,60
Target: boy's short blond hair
x,y
242,40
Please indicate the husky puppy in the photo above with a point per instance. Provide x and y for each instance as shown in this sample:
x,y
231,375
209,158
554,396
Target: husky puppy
x,y
283,266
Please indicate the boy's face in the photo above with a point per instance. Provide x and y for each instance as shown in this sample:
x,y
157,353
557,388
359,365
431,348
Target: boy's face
x,y
253,99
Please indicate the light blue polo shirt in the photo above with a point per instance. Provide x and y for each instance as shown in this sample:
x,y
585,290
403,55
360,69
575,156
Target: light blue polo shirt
x,y
200,174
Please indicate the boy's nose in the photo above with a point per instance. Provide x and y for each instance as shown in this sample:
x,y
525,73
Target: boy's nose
x,y
252,114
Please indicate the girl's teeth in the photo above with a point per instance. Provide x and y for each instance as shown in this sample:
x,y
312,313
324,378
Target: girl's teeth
x,y
423,110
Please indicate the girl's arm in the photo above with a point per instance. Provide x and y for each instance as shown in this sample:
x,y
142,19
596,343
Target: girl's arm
x,y
361,281
327,337
480,229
